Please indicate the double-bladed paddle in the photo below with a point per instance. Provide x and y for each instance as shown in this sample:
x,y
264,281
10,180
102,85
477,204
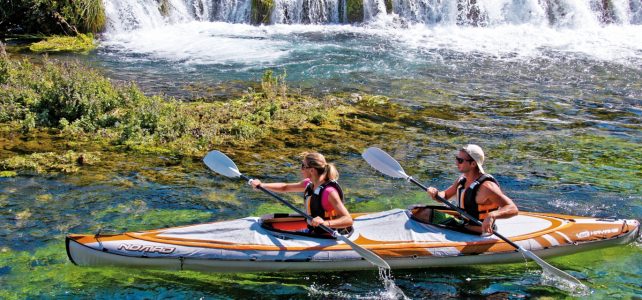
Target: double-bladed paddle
x,y
384,163
221,164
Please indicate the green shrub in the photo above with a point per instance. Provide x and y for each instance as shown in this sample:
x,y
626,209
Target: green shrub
x,y
52,16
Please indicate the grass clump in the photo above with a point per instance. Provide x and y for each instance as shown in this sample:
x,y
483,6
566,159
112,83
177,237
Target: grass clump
x,y
82,43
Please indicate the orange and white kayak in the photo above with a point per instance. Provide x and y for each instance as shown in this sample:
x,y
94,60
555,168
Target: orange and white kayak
x,y
274,243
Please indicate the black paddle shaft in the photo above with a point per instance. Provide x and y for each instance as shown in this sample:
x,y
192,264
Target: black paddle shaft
x,y
290,205
463,213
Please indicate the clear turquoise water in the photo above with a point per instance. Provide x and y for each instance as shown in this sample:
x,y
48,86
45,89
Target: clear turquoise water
x,y
560,123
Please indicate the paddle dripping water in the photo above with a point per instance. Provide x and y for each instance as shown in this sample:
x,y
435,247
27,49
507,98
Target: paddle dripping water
x,y
392,291
576,289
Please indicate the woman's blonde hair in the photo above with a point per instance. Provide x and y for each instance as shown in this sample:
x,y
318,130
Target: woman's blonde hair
x,y
317,161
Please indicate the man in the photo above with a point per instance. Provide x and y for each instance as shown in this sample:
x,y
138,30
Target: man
x,y
477,193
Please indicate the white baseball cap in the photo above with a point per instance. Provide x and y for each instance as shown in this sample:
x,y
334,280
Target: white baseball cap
x,y
475,152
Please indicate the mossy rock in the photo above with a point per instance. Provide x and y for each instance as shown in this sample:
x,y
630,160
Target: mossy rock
x,y
354,11
80,44
261,11
389,6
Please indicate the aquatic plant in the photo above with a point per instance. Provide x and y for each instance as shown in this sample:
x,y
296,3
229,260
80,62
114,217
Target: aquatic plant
x,y
80,106
47,162
80,43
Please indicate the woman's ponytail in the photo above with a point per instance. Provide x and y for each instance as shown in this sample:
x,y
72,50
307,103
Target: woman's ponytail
x,y
331,172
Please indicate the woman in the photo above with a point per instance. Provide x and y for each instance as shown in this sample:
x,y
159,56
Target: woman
x,y
323,195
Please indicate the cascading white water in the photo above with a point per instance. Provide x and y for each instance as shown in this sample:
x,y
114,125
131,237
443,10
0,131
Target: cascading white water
x,y
372,8
305,12
230,11
125,15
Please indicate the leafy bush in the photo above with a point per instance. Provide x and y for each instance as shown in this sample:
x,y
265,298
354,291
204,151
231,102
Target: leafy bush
x,y
68,17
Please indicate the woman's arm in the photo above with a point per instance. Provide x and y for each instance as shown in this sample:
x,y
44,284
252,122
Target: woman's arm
x,y
343,218
280,187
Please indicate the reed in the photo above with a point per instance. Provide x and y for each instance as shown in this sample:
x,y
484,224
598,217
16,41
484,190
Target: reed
x,y
91,15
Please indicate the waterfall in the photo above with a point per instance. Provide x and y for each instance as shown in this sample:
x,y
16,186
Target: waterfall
x,y
127,15
305,12
371,8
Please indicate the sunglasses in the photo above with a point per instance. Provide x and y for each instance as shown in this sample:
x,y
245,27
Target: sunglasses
x,y
461,160
303,166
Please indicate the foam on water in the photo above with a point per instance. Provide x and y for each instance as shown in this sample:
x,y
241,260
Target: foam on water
x,y
189,30
215,42
200,43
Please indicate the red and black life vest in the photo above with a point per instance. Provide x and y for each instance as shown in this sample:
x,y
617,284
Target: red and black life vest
x,y
314,204
469,204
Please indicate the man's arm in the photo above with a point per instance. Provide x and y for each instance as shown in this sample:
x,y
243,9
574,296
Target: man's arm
x,y
490,191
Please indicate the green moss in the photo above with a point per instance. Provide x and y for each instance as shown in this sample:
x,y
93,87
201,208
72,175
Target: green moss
x,y
354,11
135,215
8,173
85,107
261,11
81,44
604,162
270,208
389,6
68,162
47,273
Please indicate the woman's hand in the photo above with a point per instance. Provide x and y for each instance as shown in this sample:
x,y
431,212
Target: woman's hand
x,y
432,192
317,221
255,183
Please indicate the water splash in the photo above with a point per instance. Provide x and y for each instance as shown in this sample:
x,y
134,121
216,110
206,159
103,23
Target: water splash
x,y
550,279
575,289
391,291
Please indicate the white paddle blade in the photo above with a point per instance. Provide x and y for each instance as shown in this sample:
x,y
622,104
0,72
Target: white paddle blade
x,y
365,253
549,268
220,163
384,163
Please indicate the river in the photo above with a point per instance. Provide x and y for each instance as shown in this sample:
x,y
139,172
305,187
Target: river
x,y
552,90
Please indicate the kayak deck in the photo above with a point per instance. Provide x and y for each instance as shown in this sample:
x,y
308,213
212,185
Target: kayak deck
x,y
252,244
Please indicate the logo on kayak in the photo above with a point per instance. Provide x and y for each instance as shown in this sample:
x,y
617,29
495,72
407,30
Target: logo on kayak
x,y
147,248
585,234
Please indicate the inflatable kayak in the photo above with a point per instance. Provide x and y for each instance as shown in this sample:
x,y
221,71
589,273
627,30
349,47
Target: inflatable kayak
x,y
278,242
